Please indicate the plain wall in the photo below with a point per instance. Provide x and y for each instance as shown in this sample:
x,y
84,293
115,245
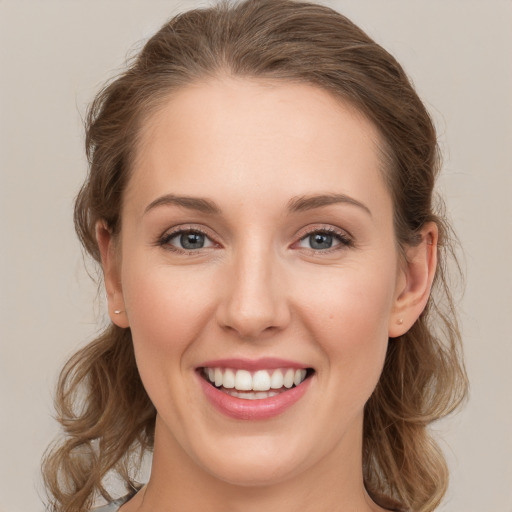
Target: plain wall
x,y
54,55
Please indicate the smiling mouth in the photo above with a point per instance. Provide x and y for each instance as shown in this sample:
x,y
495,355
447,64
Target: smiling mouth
x,y
255,385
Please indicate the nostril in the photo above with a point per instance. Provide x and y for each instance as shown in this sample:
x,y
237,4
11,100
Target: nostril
x,y
253,305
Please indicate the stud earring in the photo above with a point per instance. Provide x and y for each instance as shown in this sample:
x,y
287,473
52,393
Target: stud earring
x,y
118,312
400,321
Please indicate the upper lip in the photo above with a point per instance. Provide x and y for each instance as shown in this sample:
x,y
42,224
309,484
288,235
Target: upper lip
x,y
264,363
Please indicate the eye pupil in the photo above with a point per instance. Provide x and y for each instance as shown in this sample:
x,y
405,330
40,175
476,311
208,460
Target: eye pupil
x,y
320,241
192,240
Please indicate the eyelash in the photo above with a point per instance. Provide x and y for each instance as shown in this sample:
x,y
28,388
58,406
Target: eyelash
x,y
164,240
345,241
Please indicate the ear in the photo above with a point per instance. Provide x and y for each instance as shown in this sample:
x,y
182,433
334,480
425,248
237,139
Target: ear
x,y
111,274
415,282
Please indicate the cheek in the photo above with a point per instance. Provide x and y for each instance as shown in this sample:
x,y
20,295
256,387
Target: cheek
x,y
167,310
349,319
351,302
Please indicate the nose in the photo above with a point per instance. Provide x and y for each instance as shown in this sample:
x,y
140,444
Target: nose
x,y
254,301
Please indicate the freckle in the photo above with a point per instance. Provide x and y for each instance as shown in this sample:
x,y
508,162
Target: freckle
x,y
331,317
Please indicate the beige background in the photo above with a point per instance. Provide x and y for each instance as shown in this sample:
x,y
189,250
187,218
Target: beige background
x,y
53,57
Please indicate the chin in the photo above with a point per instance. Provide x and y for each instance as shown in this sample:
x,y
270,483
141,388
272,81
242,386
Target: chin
x,y
255,462
259,473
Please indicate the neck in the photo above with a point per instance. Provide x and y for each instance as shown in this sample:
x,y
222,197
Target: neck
x,y
333,483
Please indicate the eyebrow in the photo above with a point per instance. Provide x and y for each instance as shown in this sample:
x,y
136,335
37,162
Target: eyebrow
x,y
296,204
304,203
192,203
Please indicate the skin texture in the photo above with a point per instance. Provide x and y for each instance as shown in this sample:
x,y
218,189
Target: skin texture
x,y
258,289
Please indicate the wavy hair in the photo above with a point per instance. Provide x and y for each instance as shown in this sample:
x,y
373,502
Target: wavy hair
x,y
101,403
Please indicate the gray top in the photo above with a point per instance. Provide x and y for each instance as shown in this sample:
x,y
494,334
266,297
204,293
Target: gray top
x,y
115,505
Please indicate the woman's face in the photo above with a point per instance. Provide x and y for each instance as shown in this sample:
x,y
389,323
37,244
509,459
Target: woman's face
x,y
256,248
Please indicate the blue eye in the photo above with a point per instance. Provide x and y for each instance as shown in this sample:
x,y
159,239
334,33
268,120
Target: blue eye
x,y
186,240
320,241
323,240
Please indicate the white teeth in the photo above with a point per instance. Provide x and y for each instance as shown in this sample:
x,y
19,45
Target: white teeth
x,y
277,380
229,379
300,375
252,395
218,377
243,380
260,381
288,378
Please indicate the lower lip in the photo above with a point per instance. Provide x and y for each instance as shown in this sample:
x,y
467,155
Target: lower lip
x,y
260,409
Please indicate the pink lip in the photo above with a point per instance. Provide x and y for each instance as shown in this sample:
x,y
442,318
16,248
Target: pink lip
x,y
243,409
264,363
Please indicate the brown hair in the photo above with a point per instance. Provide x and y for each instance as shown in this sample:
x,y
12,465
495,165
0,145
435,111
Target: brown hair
x,y
101,403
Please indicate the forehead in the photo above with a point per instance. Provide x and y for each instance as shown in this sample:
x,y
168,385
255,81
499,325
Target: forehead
x,y
236,136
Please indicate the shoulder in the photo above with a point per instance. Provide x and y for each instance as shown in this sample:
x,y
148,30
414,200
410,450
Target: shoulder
x,y
113,506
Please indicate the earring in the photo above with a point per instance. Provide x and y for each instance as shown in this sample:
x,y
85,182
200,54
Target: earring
x,y
118,312
400,321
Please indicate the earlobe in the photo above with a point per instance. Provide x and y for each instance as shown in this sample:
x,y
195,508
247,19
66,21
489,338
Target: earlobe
x,y
416,280
111,274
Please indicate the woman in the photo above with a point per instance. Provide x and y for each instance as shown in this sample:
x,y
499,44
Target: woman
x,y
260,198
